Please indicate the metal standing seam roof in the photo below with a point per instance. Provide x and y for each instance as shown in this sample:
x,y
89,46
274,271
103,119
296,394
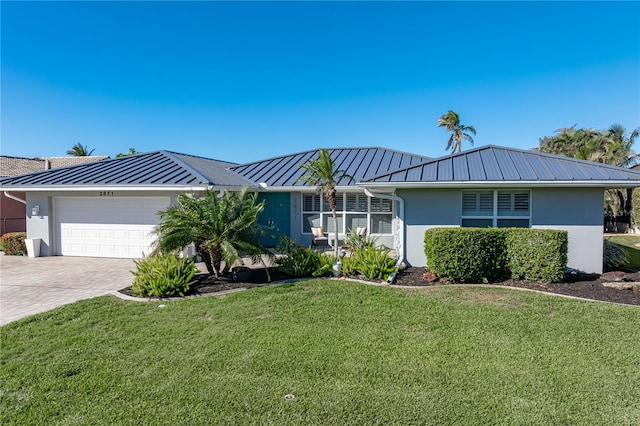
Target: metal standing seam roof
x,y
359,163
500,164
158,168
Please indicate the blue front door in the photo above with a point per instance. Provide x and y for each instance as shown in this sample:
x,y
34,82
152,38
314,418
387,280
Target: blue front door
x,y
276,216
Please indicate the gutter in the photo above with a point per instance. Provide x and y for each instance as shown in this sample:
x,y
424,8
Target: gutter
x,y
606,184
13,197
400,231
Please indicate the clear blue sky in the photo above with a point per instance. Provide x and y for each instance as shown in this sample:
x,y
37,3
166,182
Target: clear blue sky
x,y
242,81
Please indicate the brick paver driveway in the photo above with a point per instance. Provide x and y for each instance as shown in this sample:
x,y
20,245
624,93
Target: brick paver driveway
x,y
32,285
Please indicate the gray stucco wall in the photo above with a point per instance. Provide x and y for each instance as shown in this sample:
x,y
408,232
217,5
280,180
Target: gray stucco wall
x,y
579,211
42,226
576,210
424,209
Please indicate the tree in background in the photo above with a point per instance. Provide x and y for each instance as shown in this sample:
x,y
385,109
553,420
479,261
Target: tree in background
x,y
132,151
80,151
222,228
612,146
609,146
323,173
451,122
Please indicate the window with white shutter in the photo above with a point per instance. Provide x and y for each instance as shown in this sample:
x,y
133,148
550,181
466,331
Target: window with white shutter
x,y
496,209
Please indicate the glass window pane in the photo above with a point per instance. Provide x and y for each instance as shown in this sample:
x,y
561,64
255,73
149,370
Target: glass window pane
x,y
339,203
381,224
310,221
513,223
328,223
505,206
477,203
356,203
311,202
477,223
521,204
356,221
512,203
381,205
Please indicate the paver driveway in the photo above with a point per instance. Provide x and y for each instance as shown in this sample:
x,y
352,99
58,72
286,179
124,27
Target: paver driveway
x,y
32,285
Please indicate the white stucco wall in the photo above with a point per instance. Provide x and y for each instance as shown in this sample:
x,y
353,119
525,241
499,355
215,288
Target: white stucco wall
x,y
576,210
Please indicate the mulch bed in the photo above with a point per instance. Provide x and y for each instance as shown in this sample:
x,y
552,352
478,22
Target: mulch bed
x,y
577,285
587,286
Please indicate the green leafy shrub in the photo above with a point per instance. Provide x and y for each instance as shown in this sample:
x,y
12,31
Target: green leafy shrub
x,y
357,241
373,263
163,274
615,256
466,254
298,261
491,254
13,243
537,254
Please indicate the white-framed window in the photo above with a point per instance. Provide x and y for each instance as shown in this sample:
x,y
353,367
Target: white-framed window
x,y
353,210
496,208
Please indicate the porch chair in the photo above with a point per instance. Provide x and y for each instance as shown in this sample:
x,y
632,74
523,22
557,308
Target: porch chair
x,y
318,237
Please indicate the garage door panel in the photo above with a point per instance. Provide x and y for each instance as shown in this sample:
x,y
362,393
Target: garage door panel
x,y
113,227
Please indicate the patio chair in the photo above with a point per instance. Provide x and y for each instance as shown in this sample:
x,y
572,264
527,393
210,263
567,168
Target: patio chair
x,y
318,237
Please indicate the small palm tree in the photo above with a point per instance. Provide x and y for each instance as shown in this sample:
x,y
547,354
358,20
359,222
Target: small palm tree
x,y
222,228
451,121
80,151
322,173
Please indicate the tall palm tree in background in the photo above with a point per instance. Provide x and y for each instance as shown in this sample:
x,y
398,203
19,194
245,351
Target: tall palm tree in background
x,y
322,173
80,151
451,121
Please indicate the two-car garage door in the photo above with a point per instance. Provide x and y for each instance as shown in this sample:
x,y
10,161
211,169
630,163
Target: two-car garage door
x,y
106,226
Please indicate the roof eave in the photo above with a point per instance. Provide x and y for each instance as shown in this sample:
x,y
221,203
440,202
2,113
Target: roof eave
x,y
119,188
506,184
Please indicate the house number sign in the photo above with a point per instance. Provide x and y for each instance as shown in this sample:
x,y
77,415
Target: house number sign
x,y
106,193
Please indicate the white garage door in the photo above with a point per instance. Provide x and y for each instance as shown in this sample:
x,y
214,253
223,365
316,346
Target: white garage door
x,y
106,226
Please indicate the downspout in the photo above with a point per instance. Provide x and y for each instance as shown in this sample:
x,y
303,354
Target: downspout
x,y
399,231
13,197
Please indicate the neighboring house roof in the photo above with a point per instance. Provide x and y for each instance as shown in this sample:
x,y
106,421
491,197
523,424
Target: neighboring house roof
x,y
153,170
494,164
14,166
359,163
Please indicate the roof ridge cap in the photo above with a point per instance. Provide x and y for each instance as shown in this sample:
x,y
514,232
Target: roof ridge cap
x,y
201,157
171,156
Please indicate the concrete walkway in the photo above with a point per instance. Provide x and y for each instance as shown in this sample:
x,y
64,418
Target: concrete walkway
x,y
32,285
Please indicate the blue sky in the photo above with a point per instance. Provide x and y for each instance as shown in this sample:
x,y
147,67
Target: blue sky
x,y
242,81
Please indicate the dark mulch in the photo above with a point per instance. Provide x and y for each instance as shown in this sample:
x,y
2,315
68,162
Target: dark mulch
x,y
588,286
578,285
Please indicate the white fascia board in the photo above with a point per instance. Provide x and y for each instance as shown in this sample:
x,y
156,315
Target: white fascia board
x,y
79,188
506,184
304,188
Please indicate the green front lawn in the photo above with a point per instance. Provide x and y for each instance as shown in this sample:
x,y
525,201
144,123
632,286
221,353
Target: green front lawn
x,y
632,244
349,353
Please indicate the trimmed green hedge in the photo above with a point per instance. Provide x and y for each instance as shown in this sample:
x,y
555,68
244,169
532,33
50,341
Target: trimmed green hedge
x,y
493,254
537,254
